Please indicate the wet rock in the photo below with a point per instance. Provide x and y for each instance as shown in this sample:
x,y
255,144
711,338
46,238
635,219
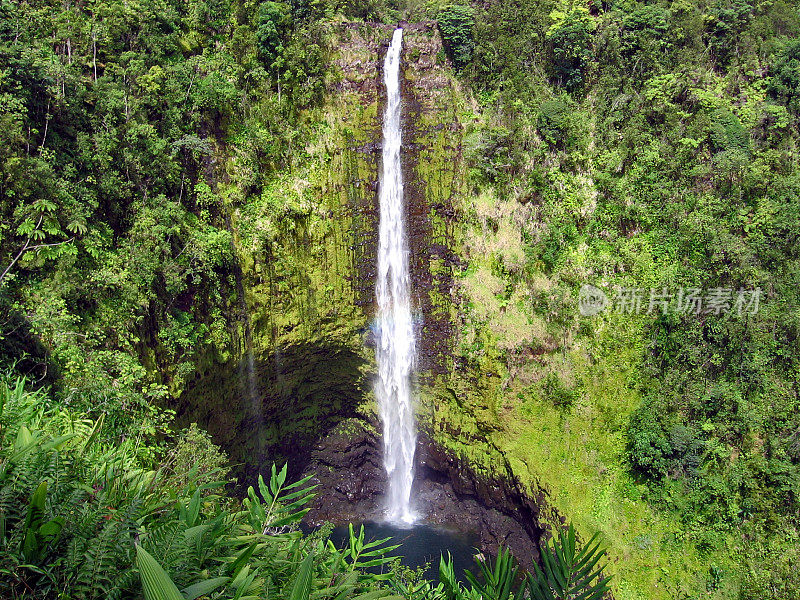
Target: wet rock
x,y
346,466
348,470
496,506
275,409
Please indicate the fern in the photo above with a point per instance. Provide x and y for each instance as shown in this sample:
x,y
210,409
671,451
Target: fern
x,y
94,519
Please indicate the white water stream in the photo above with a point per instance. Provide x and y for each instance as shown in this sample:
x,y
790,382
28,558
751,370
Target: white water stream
x,y
395,349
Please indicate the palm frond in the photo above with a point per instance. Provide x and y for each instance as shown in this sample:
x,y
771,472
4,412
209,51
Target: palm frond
x,y
567,572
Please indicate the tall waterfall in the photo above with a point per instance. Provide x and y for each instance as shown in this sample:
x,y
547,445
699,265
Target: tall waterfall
x,y
395,348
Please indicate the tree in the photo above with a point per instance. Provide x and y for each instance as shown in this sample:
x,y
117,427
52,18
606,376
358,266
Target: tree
x,y
729,20
274,22
643,39
570,36
456,23
553,122
784,83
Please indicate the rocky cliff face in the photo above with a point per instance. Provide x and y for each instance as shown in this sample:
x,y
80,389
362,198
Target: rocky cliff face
x,y
347,467
301,387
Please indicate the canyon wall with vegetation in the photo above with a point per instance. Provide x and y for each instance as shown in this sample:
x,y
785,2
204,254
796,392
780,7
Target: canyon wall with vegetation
x,y
189,218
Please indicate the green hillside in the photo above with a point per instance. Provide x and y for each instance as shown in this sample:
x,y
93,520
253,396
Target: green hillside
x,y
188,217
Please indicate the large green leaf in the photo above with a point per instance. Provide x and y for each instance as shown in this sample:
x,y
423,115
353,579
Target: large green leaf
x,y
375,594
497,581
568,573
302,584
95,432
156,583
37,534
204,588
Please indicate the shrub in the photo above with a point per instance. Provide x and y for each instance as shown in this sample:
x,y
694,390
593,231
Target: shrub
x,y
559,394
571,40
553,122
784,84
729,20
456,23
490,153
728,134
366,10
304,72
644,37
648,444
274,20
196,458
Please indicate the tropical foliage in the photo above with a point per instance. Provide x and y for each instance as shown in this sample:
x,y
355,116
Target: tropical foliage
x,y
153,150
85,516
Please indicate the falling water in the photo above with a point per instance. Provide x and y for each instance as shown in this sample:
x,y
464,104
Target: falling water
x,y
247,368
395,348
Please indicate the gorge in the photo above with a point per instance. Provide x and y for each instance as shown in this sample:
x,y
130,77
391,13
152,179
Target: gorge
x,y
272,268
316,395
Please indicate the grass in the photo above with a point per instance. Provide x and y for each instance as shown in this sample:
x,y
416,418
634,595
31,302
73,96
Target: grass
x,y
577,456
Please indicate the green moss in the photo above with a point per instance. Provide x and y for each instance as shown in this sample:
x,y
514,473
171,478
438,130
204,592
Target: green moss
x,y
577,457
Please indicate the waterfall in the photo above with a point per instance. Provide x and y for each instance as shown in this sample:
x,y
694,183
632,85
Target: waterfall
x,y
395,346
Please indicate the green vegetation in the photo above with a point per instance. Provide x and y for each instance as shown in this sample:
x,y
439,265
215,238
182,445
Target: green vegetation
x,y
568,571
85,515
456,23
637,145
180,184
571,39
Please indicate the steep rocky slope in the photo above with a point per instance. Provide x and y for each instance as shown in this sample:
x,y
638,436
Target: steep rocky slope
x,y
301,387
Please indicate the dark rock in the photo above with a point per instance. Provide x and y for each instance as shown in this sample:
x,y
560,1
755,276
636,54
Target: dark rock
x,y
348,470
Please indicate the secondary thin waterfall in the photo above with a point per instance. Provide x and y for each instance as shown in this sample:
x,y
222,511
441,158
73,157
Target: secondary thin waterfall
x,y
395,348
